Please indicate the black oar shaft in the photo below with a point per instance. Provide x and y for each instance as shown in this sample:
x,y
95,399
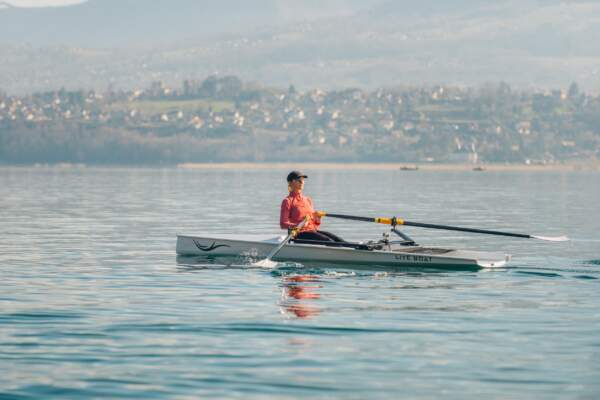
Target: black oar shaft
x,y
352,217
460,229
391,221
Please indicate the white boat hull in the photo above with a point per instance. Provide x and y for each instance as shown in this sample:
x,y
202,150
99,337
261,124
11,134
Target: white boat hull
x,y
394,255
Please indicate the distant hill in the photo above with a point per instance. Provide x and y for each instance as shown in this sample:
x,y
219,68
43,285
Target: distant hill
x,y
309,43
426,7
121,23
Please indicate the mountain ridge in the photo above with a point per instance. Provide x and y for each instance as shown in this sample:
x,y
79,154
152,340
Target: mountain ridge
x,y
525,43
96,24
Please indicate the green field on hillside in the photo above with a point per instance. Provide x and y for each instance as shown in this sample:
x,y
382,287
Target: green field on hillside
x,y
165,106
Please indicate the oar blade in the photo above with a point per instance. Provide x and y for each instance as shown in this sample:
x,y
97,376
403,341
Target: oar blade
x,y
266,263
552,238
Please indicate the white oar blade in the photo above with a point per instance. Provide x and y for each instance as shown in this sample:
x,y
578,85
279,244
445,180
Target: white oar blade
x,y
266,263
552,238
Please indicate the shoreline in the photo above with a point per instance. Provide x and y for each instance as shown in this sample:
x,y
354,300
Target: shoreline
x,y
403,167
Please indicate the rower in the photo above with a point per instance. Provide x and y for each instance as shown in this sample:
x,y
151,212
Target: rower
x,y
296,206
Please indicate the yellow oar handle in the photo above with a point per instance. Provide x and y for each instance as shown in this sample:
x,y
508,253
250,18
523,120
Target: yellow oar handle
x,y
296,230
389,221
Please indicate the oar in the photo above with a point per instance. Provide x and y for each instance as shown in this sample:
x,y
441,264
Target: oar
x,y
267,262
398,221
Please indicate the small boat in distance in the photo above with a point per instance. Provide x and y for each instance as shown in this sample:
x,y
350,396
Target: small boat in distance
x,y
479,168
409,168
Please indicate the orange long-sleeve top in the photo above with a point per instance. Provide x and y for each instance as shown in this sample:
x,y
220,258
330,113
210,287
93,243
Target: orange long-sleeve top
x,y
293,210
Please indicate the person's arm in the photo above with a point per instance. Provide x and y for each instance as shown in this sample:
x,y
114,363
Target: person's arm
x,y
314,215
284,215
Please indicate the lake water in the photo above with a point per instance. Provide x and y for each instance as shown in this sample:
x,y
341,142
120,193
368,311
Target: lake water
x,y
94,303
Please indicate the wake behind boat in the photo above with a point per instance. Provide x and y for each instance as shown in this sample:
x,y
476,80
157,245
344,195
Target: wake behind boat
x,y
380,253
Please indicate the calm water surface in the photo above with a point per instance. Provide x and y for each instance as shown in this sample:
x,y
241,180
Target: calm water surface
x,y
94,303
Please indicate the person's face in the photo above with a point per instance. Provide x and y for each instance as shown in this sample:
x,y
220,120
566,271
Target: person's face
x,y
297,184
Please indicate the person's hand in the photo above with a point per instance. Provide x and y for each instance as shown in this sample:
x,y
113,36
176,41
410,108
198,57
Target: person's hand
x,y
294,232
317,215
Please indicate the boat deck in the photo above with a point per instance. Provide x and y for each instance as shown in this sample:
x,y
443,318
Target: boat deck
x,y
421,250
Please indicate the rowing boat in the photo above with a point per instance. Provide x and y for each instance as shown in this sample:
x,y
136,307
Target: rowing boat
x,y
403,254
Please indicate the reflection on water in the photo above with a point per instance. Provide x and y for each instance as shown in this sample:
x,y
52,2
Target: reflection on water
x,y
299,295
298,291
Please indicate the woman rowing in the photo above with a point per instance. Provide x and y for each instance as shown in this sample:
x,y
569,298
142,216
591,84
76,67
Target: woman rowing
x,y
295,207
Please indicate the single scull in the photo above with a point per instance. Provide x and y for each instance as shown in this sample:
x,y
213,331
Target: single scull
x,y
381,253
385,252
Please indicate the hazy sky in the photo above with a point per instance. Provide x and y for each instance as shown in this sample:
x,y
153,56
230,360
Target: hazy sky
x,y
42,3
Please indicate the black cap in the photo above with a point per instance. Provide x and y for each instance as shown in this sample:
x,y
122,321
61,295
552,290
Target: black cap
x,y
295,175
